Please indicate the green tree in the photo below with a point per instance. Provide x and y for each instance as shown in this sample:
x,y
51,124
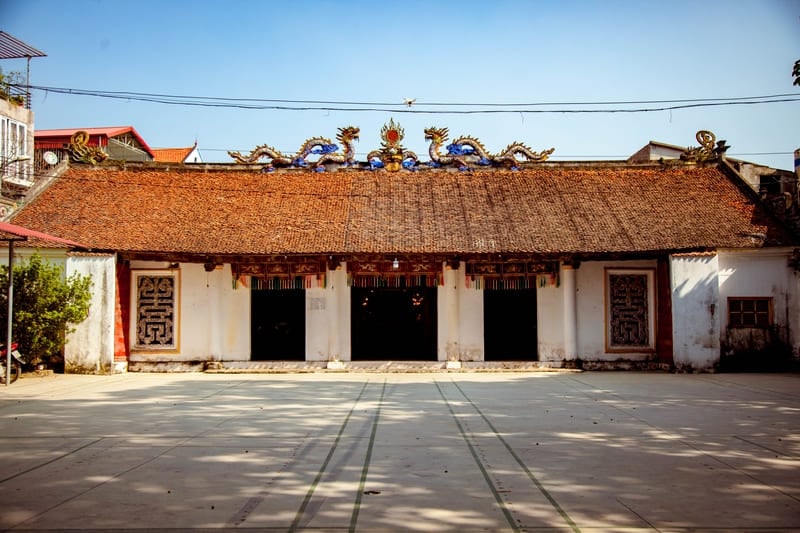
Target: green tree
x,y
47,306
9,82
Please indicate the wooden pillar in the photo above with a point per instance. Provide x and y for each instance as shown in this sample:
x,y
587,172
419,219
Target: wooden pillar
x,y
122,315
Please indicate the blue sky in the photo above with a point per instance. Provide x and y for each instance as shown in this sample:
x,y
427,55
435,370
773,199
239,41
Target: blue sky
x,y
448,52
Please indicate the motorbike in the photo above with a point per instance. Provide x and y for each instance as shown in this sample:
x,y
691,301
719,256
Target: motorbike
x,y
16,363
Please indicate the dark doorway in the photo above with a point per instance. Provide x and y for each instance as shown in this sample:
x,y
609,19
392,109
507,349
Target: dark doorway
x,y
278,325
509,325
394,324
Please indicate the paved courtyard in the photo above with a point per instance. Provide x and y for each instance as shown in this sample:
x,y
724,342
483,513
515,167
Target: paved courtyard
x,y
401,452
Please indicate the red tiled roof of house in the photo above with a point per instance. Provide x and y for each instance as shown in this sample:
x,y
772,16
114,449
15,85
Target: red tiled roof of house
x,y
172,155
549,209
49,139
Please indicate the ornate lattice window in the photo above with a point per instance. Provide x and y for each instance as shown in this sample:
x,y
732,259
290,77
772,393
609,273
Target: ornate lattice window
x,y
749,312
155,320
630,311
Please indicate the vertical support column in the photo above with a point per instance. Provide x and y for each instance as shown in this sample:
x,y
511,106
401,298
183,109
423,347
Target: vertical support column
x,y
449,318
334,353
569,285
338,316
215,350
122,317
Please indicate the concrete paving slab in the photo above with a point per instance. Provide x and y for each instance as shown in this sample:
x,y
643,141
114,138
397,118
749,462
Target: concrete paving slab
x,y
401,452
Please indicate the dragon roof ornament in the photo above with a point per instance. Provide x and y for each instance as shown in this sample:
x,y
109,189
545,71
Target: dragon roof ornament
x,y
706,151
80,151
465,149
322,146
463,152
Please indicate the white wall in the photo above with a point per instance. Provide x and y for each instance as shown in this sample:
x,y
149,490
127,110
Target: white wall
x,y
214,318
448,336
90,348
340,311
762,273
694,283
317,330
470,310
550,316
328,319
460,318
591,310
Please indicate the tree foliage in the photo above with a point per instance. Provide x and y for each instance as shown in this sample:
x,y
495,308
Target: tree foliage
x,y
47,306
8,83
796,72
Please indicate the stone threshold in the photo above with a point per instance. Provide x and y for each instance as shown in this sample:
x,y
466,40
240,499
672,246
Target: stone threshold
x,y
273,367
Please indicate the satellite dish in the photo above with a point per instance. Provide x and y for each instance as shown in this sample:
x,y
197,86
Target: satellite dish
x,y
50,158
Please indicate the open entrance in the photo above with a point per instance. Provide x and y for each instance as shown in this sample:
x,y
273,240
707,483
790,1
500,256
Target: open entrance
x,y
394,324
509,325
277,325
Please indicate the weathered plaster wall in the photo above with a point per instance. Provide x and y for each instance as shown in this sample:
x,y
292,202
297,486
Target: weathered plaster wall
x,y
460,318
591,311
317,331
470,310
340,314
694,282
328,319
762,273
90,348
550,316
214,318
448,313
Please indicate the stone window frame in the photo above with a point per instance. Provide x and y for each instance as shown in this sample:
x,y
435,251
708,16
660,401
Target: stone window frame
x,y
741,323
139,348
650,274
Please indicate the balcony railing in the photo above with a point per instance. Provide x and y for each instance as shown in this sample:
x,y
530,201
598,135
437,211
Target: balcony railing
x,y
15,94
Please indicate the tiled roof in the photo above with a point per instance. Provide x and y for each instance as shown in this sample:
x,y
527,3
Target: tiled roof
x,y
554,208
171,155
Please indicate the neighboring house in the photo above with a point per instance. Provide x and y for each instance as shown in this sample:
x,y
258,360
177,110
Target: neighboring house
x,y
471,258
177,155
761,178
122,143
16,126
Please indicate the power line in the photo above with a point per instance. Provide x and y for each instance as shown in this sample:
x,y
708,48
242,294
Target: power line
x,y
418,108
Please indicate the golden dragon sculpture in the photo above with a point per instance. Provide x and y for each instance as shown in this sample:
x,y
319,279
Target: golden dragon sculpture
x,y
467,148
322,146
707,151
80,151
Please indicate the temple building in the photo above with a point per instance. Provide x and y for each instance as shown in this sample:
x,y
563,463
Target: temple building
x,y
466,258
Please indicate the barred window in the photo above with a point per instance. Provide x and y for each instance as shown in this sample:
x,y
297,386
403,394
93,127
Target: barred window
x,y
749,312
155,300
630,310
